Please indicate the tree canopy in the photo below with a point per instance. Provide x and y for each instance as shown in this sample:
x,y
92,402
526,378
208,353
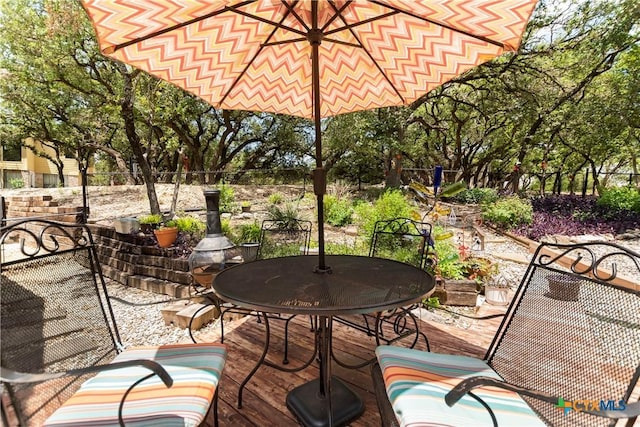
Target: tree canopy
x,y
569,99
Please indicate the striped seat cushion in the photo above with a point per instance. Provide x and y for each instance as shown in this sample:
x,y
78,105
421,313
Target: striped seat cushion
x,y
417,381
195,368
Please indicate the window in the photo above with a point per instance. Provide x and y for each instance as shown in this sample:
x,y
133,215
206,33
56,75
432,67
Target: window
x,y
13,179
49,180
11,153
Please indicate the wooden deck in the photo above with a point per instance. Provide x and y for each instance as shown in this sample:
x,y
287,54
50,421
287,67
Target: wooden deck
x,y
264,396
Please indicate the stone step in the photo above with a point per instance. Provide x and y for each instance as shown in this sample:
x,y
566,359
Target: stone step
x,y
170,310
180,314
200,313
158,286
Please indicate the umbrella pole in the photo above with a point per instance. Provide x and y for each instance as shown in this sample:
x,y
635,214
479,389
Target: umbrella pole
x,y
319,174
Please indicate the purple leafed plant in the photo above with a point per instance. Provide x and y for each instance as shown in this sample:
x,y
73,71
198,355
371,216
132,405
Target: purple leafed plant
x,y
575,215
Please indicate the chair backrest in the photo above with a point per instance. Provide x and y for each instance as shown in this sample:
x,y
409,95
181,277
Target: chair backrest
x,y
55,314
402,239
573,329
284,238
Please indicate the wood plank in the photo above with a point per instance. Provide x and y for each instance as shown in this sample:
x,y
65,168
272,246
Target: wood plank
x,y
264,396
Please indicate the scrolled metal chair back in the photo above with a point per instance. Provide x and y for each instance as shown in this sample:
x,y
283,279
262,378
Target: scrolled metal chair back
x,y
54,313
403,239
279,238
573,329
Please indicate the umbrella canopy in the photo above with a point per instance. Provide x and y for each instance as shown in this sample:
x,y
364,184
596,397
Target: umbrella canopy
x,y
308,58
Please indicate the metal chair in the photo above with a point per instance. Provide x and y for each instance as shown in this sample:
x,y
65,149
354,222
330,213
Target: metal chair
x,y
62,359
567,352
284,238
404,240
277,239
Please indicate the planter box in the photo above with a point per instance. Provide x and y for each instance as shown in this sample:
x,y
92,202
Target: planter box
x,y
456,292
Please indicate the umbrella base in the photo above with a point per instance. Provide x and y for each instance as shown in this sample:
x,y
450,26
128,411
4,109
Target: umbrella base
x,y
311,409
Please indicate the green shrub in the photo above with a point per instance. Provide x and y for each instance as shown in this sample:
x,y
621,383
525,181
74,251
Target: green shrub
x,y
620,199
16,183
391,204
226,227
191,225
449,265
356,248
337,211
275,198
476,196
227,196
249,232
150,219
402,252
285,216
508,213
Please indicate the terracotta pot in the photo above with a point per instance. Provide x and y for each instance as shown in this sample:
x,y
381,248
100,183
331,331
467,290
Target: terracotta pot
x,y
246,208
166,236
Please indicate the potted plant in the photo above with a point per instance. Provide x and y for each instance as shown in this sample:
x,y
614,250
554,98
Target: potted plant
x,y
166,234
149,222
246,206
460,275
249,237
479,268
563,287
454,287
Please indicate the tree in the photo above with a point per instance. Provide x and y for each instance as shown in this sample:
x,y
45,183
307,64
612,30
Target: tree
x,y
62,91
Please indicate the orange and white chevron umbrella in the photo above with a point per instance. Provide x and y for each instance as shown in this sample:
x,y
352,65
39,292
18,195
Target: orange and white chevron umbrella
x,y
308,58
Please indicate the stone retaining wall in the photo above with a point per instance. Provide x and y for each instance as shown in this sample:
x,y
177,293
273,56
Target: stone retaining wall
x,y
144,267
41,206
122,256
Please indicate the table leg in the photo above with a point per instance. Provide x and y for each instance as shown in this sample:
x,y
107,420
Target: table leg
x,y
264,361
260,361
326,401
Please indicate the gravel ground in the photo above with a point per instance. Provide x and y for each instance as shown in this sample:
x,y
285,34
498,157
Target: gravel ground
x,y
140,320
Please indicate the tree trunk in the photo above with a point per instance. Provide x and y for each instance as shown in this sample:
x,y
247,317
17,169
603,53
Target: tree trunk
x,y
60,167
395,170
127,114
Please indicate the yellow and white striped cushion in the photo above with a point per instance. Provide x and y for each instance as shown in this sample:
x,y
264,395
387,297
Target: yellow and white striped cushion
x,y
195,369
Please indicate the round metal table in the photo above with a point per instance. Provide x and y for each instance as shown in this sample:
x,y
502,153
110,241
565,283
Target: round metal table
x,y
354,285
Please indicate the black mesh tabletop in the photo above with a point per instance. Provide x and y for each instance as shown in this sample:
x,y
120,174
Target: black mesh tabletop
x,y
356,284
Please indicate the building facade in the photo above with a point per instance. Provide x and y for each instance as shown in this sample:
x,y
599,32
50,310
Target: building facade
x,y
24,169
